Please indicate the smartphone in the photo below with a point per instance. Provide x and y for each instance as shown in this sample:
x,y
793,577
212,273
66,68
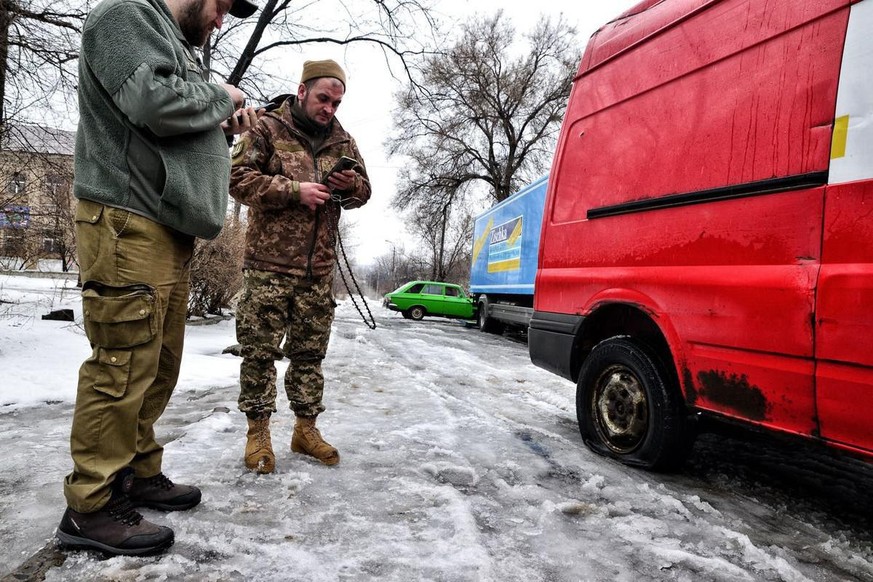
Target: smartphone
x,y
344,163
269,106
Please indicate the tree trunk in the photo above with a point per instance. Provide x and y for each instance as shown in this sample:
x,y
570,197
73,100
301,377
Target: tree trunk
x,y
5,21
245,59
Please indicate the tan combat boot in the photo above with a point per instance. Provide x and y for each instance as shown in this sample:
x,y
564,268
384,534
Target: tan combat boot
x,y
308,440
259,447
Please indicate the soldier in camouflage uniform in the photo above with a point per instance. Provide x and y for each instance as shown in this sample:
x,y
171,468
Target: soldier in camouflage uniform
x,y
282,172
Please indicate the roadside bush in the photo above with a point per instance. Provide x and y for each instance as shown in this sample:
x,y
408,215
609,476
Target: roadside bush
x,y
216,271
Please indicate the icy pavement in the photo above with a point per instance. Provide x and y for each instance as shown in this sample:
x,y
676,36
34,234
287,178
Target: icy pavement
x,y
461,461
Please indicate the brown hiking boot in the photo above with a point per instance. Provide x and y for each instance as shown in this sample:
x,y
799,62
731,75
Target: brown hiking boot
x,y
308,440
158,492
116,528
259,447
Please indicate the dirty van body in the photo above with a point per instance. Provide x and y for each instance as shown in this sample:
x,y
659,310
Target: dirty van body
x,y
707,241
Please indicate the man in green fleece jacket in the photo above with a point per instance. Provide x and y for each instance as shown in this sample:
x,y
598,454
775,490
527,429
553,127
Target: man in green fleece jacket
x,y
151,174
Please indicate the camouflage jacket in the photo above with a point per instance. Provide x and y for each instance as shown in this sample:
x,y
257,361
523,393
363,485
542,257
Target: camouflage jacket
x,y
269,162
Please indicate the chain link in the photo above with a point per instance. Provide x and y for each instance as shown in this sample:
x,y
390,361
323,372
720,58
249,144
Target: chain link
x,y
332,219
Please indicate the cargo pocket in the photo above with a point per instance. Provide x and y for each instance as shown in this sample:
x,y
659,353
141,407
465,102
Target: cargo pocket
x,y
119,317
114,372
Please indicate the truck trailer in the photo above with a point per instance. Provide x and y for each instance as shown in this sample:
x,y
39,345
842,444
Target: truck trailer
x,y
506,242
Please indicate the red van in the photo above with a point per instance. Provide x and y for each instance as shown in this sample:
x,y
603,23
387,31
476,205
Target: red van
x,y
707,240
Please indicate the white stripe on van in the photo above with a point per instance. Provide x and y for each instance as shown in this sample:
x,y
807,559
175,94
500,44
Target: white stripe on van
x,y
852,143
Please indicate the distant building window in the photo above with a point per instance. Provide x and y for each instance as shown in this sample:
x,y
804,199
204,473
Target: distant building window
x,y
50,245
55,185
16,184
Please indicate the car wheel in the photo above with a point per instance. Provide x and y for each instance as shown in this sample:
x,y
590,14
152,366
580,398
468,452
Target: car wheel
x,y
629,408
487,324
405,314
416,313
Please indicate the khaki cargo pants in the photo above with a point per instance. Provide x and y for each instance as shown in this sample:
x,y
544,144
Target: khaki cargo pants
x,y
274,307
134,299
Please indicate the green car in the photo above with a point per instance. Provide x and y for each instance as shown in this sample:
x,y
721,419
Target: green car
x,y
419,298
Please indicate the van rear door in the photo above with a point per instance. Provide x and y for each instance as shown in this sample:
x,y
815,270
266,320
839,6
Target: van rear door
x,y
844,305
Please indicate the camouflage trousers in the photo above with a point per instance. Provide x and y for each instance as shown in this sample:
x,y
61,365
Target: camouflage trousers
x,y
276,307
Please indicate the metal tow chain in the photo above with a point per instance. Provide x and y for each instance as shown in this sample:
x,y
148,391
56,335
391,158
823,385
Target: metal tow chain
x,y
333,229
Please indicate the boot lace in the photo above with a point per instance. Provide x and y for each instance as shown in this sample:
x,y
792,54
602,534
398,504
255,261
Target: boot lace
x,y
262,432
263,439
313,432
316,441
161,481
122,510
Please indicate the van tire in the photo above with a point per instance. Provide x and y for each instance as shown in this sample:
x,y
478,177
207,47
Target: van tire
x,y
629,409
416,312
487,324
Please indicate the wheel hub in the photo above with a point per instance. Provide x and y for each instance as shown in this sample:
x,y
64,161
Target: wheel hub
x,y
621,409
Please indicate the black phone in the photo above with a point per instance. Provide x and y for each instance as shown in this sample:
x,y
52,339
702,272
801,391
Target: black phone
x,y
344,163
267,107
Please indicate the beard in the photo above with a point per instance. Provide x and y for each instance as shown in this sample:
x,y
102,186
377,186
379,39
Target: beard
x,y
321,128
195,31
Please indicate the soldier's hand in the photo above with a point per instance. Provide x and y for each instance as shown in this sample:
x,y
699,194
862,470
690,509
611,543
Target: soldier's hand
x,y
344,180
242,120
237,96
313,194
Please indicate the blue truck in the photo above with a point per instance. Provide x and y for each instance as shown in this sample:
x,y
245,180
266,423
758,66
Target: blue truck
x,y
506,242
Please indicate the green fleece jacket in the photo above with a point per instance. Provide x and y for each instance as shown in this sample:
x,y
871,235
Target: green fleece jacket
x,y
149,139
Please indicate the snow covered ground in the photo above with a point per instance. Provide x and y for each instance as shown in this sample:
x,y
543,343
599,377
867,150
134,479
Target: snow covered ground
x,y
461,461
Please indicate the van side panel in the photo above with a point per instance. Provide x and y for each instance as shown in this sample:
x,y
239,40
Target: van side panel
x,y
739,93
844,312
732,96
737,319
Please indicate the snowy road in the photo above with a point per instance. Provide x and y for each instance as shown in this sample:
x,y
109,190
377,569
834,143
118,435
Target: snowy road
x,y
460,462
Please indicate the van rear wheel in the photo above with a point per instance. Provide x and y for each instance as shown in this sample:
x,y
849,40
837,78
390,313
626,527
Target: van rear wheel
x,y
629,409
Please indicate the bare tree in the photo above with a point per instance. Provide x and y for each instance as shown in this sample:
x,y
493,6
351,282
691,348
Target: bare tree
x,y
216,271
243,52
482,116
39,44
395,268
446,239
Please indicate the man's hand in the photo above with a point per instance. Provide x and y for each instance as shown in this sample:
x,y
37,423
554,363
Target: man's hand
x,y
237,96
313,194
344,180
241,120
